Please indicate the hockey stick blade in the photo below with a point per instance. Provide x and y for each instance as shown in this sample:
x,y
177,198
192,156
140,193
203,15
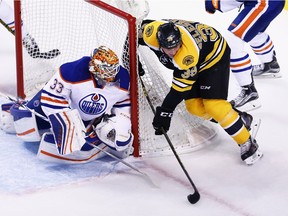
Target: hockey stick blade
x,y
45,55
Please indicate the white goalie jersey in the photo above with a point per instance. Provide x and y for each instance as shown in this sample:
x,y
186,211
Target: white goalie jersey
x,y
74,87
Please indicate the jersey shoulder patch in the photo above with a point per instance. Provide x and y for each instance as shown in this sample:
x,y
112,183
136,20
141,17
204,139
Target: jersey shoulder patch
x,y
76,71
149,34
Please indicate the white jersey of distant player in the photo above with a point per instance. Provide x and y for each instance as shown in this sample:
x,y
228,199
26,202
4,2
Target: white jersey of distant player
x,y
76,88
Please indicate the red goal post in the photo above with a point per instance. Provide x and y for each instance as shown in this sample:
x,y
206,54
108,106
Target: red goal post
x,y
75,28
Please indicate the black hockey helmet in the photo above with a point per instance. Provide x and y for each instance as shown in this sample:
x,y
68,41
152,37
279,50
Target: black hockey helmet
x,y
168,35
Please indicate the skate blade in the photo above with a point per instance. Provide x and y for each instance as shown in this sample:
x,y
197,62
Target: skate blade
x,y
268,76
252,105
255,127
254,158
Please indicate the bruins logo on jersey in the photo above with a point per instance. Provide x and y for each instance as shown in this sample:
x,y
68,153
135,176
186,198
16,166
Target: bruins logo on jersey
x,y
149,31
188,60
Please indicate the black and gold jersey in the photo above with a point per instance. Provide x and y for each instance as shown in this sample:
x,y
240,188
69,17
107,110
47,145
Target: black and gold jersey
x,y
202,47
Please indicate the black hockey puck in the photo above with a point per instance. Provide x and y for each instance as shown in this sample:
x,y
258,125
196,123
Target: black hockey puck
x,y
193,198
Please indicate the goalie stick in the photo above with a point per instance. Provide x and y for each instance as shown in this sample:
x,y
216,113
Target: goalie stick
x,y
147,177
192,198
34,52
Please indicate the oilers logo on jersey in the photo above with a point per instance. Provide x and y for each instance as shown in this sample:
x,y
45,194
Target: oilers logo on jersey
x,y
93,104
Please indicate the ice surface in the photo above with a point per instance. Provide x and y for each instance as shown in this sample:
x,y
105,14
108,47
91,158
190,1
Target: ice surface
x,y
227,186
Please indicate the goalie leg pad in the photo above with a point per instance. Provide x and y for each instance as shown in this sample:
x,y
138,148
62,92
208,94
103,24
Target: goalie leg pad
x,y
48,152
25,124
68,130
115,132
6,119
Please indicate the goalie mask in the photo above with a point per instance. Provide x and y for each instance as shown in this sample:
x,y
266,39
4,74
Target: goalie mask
x,y
168,35
104,63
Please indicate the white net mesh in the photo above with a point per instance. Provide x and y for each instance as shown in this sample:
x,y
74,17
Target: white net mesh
x,y
75,27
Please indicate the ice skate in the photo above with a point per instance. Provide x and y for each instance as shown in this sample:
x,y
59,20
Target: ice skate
x,y
250,152
267,70
247,100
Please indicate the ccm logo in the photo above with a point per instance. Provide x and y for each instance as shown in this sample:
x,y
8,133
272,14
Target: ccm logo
x,y
166,114
205,87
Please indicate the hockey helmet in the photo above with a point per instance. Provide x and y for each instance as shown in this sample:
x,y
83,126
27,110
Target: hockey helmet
x,y
104,63
168,35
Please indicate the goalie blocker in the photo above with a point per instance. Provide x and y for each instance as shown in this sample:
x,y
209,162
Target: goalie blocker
x,y
65,141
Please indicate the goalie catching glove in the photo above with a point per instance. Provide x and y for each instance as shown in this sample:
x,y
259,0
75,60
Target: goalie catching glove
x,y
162,120
114,131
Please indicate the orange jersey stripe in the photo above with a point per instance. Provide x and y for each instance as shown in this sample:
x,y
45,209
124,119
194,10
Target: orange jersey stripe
x,y
245,25
265,48
54,100
242,64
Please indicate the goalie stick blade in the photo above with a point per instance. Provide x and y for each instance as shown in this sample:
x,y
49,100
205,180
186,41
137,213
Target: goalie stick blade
x,y
46,55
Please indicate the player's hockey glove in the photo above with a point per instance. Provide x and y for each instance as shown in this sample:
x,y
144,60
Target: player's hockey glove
x,y
209,7
162,120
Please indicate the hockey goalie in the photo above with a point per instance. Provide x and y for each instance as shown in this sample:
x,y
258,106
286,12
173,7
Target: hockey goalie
x,y
85,104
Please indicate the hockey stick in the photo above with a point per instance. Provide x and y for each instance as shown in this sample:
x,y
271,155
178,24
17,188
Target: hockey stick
x,y
147,177
16,101
43,55
192,198
89,143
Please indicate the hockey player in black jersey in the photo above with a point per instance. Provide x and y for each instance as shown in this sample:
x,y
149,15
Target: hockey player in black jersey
x,y
200,59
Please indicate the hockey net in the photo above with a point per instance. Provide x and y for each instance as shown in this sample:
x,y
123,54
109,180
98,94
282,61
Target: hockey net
x,y
75,28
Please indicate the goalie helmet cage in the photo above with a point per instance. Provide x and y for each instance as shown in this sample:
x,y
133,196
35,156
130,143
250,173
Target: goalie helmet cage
x,y
77,27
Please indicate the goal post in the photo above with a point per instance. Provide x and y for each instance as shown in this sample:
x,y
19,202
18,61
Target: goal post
x,y
132,35
18,50
75,28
